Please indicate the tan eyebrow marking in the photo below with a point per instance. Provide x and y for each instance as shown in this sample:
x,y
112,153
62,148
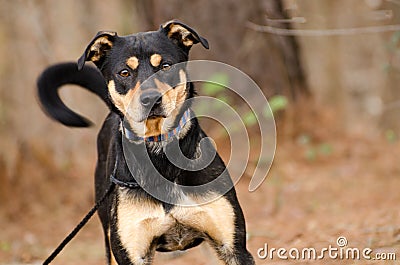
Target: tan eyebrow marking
x,y
132,62
155,59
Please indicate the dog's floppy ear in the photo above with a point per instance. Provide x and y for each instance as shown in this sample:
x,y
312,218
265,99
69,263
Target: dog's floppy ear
x,y
182,34
97,48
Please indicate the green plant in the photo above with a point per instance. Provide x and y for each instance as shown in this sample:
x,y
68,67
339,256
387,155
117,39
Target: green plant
x,y
313,151
216,87
390,136
276,103
216,84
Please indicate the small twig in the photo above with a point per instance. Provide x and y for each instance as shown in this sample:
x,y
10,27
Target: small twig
x,y
286,20
397,2
322,32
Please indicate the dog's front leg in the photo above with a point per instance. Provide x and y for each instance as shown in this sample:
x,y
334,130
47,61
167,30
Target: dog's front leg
x,y
234,253
222,221
137,222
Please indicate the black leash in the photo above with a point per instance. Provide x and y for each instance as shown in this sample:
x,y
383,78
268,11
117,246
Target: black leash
x,y
113,181
85,219
79,226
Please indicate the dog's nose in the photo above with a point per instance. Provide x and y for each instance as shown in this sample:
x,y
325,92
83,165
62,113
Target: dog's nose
x,y
150,98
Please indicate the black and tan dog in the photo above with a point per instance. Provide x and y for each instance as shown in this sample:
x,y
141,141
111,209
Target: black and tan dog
x,y
152,115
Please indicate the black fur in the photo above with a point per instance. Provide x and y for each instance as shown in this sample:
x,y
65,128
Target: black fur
x,y
54,77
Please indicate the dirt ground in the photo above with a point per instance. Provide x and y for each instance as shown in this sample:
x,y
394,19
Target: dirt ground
x,y
321,186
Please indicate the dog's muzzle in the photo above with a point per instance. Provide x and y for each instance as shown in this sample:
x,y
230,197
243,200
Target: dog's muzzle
x,y
151,101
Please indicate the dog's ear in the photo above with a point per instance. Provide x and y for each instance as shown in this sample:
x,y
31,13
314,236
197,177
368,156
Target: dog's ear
x,y
182,34
97,48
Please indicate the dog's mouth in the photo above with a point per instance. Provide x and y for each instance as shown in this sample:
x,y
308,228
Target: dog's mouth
x,y
155,117
155,113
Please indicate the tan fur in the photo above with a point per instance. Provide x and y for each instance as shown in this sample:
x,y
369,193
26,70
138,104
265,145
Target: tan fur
x,y
208,218
122,101
112,258
142,220
139,221
97,48
188,42
154,126
183,32
133,62
155,60
173,98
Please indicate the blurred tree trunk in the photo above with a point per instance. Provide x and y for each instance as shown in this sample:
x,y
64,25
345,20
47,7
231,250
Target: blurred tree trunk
x,y
289,48
272,61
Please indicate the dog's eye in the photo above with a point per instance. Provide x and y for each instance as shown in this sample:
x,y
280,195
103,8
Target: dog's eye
x,y
165,66
124,73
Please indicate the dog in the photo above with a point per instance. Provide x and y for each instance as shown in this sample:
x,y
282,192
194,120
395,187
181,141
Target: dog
x,y
150,116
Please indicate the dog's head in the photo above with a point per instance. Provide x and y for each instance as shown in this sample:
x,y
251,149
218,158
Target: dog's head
x,y
145,73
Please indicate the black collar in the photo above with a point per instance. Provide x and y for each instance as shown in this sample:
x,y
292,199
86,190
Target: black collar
x,y
125,184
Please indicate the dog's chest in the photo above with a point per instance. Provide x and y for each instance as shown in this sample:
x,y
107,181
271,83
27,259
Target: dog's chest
x,y
143,222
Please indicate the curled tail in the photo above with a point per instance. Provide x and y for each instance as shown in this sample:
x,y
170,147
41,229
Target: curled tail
x,y
50,81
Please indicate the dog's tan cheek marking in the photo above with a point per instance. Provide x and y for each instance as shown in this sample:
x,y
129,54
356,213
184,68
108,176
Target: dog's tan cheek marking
x,y
179,92
139,222
132,62
155,60
168,95
116,97
181,89
173,98
217,219
122,101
